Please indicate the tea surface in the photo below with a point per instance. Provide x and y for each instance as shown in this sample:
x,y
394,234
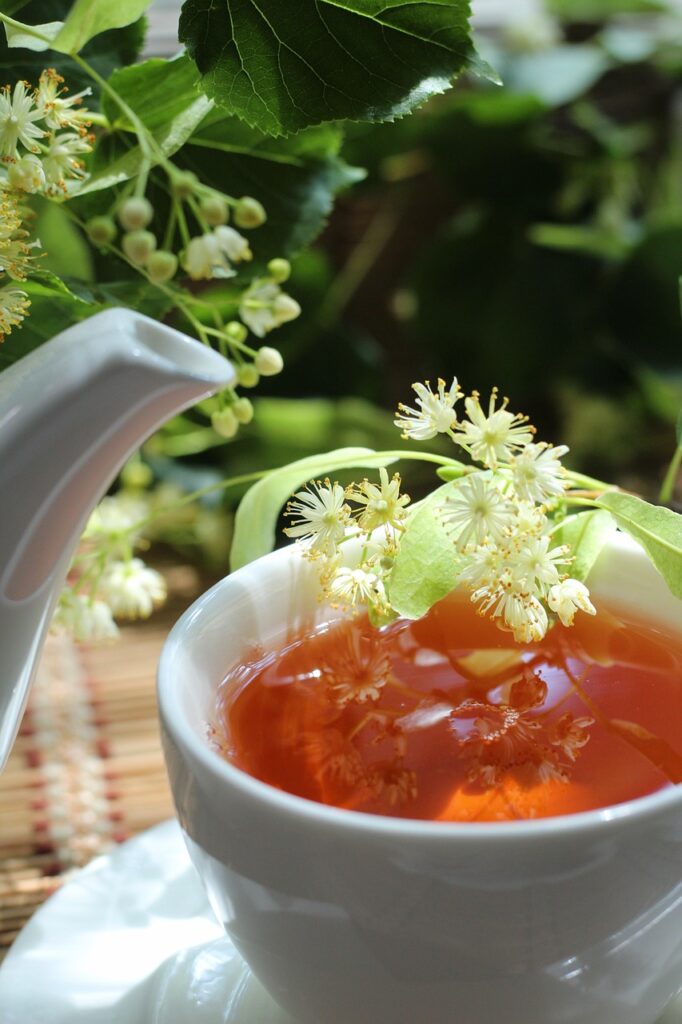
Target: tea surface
x,y
448,719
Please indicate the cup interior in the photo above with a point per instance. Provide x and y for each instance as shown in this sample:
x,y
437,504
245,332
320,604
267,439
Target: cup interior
x,y
276,597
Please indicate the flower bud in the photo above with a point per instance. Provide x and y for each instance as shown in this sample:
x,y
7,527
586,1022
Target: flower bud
x,y
135,213
279,270
285,308
26,174
215,210
225,423
249,213
236,332
138,246
136,475
243,410
268,361
247,375
101,230
184,184
161,266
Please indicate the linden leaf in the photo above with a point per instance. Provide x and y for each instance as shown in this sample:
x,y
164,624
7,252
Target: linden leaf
x,y
586,534
33,37
285,66
427,564
87,18
255,523
657,529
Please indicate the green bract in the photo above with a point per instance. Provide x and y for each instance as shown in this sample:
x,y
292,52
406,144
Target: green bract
x,y
426,566
284,66
256,519
658,530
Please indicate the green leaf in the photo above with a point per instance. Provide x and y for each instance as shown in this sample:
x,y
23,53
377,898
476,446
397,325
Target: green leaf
x,y
679,430
427,564
33,37
296,178
284,66
87,18
602,10
53,308
657,529
163,94
586,534
105,52
256,519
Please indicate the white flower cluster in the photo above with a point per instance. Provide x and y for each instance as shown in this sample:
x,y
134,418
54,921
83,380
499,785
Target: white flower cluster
x,y
497,516
323,518
107,581
15,260
43,136
216,253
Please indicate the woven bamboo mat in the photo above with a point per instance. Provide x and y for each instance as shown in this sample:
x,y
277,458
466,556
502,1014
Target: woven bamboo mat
x,y
87,770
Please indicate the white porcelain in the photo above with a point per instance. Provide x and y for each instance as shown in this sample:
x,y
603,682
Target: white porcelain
x,y
348,918
71,413
132,940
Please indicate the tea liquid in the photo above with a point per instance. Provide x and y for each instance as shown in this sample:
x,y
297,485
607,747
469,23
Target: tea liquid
x,y
448,719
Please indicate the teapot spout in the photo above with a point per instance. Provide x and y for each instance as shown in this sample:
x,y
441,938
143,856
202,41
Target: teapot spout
x,y
71,413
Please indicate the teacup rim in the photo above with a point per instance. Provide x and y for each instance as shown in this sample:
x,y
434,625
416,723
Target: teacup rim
x,y
627,812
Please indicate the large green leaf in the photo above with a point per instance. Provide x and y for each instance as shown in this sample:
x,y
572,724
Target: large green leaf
x,y
657,529
53,308
105,52
586,534
86,19
296,178
427,564
256,520
284,66
163,94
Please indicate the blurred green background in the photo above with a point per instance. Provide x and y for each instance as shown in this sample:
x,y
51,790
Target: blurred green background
x,y
527,235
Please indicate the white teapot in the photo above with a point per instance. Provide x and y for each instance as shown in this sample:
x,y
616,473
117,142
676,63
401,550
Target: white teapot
x,y
71,413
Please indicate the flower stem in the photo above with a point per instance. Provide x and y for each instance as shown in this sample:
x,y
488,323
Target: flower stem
x,y
668,485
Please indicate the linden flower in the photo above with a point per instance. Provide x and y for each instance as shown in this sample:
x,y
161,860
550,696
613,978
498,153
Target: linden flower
x,y
83,618
15,257
209,255
358,669
537,473
57,110
26,174
116,514
132,589
383,505
63,160
493,438
519,610
18,115
265,306
477,511
535,563
356,586
322,516
13,308
392,783
571,734
435,413
569,596
333,757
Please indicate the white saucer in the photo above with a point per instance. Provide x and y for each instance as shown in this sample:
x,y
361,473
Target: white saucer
x,y
131,940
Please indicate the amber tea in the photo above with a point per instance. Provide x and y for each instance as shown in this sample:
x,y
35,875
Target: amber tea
x,y
448,719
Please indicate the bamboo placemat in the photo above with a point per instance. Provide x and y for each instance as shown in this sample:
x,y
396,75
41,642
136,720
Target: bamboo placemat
x,y
87,770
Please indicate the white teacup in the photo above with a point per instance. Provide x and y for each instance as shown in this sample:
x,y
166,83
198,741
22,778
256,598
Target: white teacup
x,y
350,918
